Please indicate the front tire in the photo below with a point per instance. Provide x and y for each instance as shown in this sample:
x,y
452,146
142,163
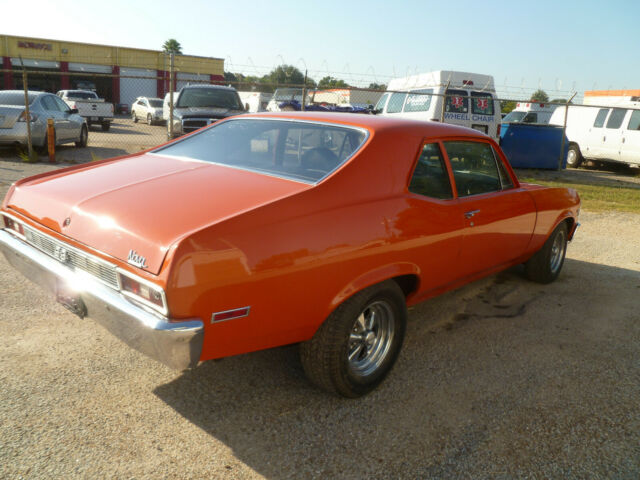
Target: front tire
x,y
356,346
149,119
546,263
574,157
134,117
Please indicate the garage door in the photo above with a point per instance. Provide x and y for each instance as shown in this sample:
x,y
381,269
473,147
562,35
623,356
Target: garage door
x,y
145,85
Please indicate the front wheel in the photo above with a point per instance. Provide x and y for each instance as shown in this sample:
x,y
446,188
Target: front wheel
x,y
357,345
574,157
149,119
546,263
134,117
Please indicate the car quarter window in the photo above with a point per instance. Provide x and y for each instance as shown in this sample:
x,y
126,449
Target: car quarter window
x,y
430,176
475,169
634,121
62,106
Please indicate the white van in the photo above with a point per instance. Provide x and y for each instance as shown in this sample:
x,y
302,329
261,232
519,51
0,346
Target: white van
x,y
469,99
530,112
255,101
606,134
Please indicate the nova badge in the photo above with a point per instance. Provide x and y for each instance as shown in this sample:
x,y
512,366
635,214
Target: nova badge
x,y
137,260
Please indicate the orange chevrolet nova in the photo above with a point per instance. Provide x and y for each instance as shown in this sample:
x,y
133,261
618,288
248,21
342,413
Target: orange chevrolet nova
x,y
271,229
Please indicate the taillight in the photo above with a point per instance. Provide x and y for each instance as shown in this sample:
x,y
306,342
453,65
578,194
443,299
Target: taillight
x,y
11,224
23,117
144,291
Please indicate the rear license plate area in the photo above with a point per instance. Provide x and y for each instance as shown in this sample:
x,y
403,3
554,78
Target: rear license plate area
x,y
70,299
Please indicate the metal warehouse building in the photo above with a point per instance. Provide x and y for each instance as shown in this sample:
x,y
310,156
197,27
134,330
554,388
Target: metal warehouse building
x,y
118,74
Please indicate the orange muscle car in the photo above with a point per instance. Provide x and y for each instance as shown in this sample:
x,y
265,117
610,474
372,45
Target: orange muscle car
x,y
271,229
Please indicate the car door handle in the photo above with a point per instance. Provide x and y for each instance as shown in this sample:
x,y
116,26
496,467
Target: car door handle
x,y
470,213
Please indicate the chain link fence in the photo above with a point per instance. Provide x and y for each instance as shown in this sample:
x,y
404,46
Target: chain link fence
x,y
132,113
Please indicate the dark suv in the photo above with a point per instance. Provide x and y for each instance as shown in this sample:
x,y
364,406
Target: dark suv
x,y
201,105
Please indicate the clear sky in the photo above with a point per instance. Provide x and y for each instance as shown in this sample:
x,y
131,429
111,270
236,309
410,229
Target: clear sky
x,y
559,46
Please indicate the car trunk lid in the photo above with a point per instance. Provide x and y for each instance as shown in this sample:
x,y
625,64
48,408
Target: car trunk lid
x,y
139,206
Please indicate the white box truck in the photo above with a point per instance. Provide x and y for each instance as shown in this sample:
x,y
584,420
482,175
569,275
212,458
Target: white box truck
x,y
459,98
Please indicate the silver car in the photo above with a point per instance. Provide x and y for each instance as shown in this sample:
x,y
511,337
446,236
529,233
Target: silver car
x,y
69,126
149,109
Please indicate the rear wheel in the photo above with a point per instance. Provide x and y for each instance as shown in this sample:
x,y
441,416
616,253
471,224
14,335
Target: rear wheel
x,y
546,263
84,136
357,345
106,126
574,157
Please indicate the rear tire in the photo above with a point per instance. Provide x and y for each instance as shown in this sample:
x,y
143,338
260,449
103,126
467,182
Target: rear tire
x,y
574,157
106,126
546,263
84,137
356,346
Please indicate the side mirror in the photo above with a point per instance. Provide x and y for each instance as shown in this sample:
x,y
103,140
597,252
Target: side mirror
x,y
73,110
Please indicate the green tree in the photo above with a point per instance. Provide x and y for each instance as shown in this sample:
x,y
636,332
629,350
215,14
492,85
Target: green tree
x,y
377,86
331,82
540,96
172,46
507,105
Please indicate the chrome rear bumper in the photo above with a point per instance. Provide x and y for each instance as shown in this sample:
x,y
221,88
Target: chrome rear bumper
x,y
177,344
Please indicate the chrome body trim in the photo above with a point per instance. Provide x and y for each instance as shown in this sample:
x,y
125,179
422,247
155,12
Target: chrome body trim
x,y
177,344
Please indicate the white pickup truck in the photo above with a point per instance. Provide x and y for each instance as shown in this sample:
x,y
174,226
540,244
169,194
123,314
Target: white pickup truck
x,y
94,109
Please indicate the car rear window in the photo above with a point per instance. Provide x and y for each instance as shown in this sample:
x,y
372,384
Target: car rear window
x,y
82,95
301,151
457,101
481,103
15,98
156,103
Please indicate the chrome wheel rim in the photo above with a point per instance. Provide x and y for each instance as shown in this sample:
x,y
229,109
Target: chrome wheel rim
x,y
572,157
370,338
557,252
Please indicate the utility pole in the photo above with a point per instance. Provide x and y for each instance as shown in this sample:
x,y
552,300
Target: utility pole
x,y
26,109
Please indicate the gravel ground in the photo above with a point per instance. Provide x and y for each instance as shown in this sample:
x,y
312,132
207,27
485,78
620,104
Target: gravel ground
x,y
502,378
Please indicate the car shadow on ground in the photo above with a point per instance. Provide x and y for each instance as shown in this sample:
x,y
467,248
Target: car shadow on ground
x,y
481,389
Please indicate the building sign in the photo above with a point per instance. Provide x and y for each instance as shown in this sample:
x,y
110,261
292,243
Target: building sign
x,y
35,46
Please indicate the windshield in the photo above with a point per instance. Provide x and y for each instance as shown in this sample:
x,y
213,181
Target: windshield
x,y
514,117
209,98
284,94
15,98
155,102
81,94
301,151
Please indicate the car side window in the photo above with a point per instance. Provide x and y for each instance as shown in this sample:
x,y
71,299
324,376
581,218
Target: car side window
x,y
616,118
396,102
474,167
634,121
430,176
505,179
600,118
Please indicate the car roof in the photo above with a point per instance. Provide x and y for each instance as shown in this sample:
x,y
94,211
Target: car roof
x,y
217,87
375,123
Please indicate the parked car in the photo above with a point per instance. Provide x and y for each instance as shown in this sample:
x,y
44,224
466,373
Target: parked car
x,y
610,135
469,100
69,126
93,108
201,105
285,96
148,109
284,228
255,101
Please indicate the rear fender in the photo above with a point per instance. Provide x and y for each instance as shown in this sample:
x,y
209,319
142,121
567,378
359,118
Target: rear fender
x,y
373,277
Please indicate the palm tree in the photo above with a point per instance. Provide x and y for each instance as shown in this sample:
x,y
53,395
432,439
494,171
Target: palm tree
x,y
172,46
